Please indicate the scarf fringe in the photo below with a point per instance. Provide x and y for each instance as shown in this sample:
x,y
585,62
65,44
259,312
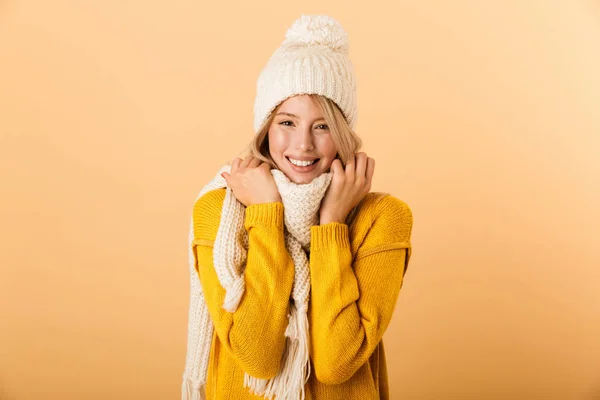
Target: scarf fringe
x,y
289,383
192,390
301,204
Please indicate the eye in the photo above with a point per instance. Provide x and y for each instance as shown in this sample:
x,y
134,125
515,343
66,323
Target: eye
x,y
322,126
286,122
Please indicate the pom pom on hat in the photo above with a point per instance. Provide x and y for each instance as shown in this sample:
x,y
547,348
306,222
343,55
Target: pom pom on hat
x,y
313,59
315,30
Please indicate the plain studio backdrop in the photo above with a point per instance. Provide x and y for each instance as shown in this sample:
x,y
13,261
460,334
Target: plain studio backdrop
x,y
483,116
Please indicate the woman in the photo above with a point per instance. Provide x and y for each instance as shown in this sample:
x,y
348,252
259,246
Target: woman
x,y
318,261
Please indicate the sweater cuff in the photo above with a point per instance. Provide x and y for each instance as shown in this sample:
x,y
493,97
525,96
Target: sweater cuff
x,y
270,214
331,234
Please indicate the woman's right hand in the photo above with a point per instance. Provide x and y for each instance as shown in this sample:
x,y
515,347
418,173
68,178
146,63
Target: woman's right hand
x,y
251,181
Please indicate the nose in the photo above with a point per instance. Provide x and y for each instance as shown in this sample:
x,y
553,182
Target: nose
x,y
304,140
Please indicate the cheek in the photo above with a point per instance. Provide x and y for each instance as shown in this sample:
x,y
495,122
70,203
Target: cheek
x,y
326,147
277,142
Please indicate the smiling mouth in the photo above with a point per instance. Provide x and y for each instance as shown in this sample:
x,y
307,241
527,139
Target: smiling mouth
x,y
303,169
316,160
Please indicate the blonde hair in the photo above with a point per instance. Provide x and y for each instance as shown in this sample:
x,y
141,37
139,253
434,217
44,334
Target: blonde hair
x,y
345,139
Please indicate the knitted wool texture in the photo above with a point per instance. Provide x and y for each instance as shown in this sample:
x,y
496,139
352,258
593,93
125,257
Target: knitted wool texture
x,y
313,59
301,205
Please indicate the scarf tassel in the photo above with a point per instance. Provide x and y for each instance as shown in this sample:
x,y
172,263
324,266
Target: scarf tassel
x,y
295,367
192,390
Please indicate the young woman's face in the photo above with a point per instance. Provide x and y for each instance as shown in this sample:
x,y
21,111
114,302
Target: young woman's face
x,y
299,134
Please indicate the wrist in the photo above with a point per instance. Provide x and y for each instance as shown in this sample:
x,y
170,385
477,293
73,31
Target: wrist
x,y
267,200
275,199
326,219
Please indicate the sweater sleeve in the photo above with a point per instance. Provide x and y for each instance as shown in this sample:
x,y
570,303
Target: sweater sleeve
x,y
352,300
254,333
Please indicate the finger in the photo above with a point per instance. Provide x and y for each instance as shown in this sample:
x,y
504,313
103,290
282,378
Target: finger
x,y
235,165
370,169
225,176
246,161
337,168
350,168
361,165
255,162
266,166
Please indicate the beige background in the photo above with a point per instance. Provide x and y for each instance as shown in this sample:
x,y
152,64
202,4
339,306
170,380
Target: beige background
x,y
484,116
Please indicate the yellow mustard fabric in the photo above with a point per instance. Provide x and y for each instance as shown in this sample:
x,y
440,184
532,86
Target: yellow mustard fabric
x,y
356,271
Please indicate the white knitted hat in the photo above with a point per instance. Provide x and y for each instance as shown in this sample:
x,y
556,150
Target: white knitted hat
x,y
313,59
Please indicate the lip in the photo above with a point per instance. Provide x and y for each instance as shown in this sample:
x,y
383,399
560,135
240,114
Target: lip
x,y
299,169
303,158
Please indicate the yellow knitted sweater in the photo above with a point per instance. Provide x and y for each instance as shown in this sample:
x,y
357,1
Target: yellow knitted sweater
x,y
356,272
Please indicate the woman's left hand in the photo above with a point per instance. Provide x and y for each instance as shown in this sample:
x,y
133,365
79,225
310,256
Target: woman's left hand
x,y
347,188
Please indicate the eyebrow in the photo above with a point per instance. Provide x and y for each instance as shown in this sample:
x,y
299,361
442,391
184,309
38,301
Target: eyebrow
x,y
295,116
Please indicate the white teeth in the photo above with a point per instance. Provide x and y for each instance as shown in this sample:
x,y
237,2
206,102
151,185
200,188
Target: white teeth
x,y
301,163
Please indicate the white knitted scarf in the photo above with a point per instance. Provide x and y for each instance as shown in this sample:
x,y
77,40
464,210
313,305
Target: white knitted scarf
x,y
301,204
